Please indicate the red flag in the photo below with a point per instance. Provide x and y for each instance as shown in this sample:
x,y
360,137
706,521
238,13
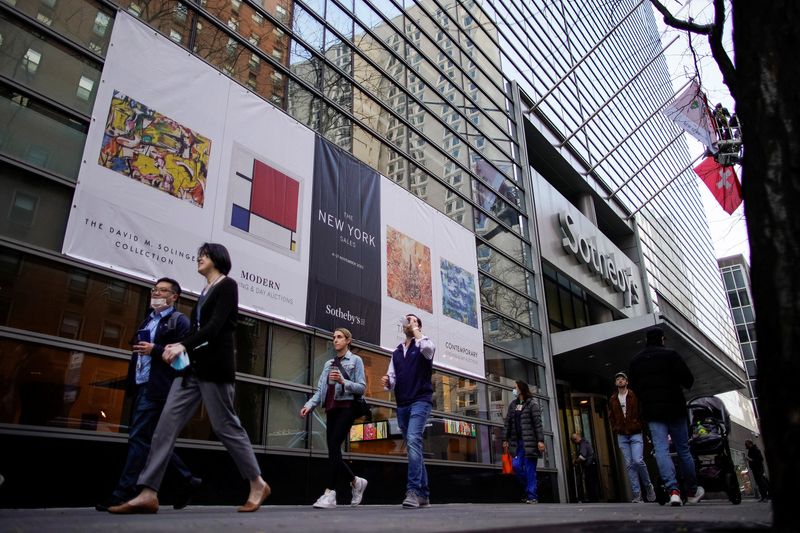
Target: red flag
x,y
722,182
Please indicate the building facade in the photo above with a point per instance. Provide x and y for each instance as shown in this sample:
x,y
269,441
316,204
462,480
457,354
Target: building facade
x,y
523,122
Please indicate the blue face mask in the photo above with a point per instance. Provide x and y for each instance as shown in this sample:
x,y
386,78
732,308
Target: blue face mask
x,y
515,392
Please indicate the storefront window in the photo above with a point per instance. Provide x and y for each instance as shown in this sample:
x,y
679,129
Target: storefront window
x,y
48,386
285,427
459,395
249,406
251,345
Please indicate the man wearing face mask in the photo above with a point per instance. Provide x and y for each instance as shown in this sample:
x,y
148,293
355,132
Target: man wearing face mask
x,y
149,380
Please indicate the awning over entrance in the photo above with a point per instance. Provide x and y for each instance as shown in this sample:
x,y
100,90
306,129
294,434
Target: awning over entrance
x,y
593,354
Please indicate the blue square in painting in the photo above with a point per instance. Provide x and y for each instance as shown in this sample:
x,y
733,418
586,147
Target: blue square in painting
x,y
240,218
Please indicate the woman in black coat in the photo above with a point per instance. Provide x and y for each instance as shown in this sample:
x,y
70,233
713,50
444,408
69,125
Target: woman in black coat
x,y
209,377
524,428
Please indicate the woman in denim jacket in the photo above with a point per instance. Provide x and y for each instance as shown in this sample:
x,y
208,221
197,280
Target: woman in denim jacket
x,y
335,392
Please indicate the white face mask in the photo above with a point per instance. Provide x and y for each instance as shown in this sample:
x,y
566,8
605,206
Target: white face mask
x,y
155,303
515,392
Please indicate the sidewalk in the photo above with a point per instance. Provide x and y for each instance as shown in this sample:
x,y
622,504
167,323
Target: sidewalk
x,y
599,517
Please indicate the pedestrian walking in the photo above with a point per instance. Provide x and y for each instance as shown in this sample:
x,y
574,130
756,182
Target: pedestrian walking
x,y
523,427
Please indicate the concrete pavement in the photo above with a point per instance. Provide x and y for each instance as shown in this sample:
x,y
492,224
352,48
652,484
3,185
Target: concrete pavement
x,y
714,515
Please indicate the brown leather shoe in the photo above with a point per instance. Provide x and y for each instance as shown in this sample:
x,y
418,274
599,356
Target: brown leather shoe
x,y
128,508
250,507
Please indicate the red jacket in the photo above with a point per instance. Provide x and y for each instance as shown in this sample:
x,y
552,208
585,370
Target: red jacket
x,y
621,424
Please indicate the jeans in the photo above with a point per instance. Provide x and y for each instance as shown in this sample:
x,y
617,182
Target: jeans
x,y
679,432
412,419
144,417
632,448
527,472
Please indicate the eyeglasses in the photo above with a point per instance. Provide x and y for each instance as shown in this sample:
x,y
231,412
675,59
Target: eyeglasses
x,y
161,290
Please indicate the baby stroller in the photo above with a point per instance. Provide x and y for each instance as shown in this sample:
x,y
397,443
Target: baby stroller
x,y
708,444
710,426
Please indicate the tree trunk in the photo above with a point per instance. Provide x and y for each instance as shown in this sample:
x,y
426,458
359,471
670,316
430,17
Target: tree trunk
x,y
766,40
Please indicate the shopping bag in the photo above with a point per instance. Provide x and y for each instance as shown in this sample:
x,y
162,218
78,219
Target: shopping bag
x,y
507,468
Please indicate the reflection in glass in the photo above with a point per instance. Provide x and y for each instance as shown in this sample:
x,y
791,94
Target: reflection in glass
x,y
251,345
42,137
47,386
82,21
71,290
285,427
249,406
37,208
289,355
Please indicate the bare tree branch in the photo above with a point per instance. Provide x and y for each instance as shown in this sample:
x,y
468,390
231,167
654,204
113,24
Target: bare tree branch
x,y
714,32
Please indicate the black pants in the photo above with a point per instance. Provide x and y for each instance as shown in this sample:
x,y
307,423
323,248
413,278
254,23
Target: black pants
x,y
340,420
761,481
591,477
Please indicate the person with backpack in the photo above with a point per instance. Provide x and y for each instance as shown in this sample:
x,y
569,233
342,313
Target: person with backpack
x,y
148,382
341,381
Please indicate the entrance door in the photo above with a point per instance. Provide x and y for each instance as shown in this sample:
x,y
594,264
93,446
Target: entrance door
x,y
586,413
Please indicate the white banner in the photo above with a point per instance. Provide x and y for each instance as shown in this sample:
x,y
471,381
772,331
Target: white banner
x,y
430,270
177,154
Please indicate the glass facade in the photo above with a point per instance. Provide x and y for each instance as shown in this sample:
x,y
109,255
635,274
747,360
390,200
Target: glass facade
x,y
420,90
736,278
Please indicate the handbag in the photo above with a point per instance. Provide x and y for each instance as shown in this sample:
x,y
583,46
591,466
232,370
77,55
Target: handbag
x,y
360,406
507,466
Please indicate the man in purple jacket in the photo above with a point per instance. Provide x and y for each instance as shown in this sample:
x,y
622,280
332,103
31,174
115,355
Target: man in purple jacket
x,y
409,376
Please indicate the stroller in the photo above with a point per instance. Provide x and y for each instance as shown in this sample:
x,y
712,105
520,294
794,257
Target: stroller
x,y
708,443
710,426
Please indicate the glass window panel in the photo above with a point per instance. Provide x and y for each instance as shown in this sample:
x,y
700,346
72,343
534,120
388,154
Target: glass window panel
x,y
249,407
500,237
70,290
747,314
458,395
742,333
744,299
506,368
48,68
505,300
510,335
323,351
579,307
498,183
751,368
285,427
728,277
251,345
40,136
738,277
738,317
37,208
567,313
747,350
82,21
733,298
166,16
308,29
289,356
304,106
375,367
336,127
47,386
751,330
305,65
340,21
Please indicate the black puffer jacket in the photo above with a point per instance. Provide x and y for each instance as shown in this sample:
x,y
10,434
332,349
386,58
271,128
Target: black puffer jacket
x,y
531,431
659,376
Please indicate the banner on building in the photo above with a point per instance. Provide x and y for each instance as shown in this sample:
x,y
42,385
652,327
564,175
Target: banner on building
x,y
316,237
722,182
690,111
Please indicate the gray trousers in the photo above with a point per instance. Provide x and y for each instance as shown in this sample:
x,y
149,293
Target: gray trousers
x,y
181,405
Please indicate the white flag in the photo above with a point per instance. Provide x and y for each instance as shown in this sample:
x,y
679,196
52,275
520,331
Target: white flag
x,y
690,112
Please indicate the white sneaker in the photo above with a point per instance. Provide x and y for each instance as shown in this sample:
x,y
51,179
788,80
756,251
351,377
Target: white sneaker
x,y
697,496
636,499
651,493
327,500
675,498
359,485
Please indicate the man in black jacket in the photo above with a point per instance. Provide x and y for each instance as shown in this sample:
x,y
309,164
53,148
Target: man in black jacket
x,y
148,383
756,461
659,376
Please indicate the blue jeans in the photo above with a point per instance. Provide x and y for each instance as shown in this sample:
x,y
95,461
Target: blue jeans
x,y
632,448
145,413
526,474
679,432
412,419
